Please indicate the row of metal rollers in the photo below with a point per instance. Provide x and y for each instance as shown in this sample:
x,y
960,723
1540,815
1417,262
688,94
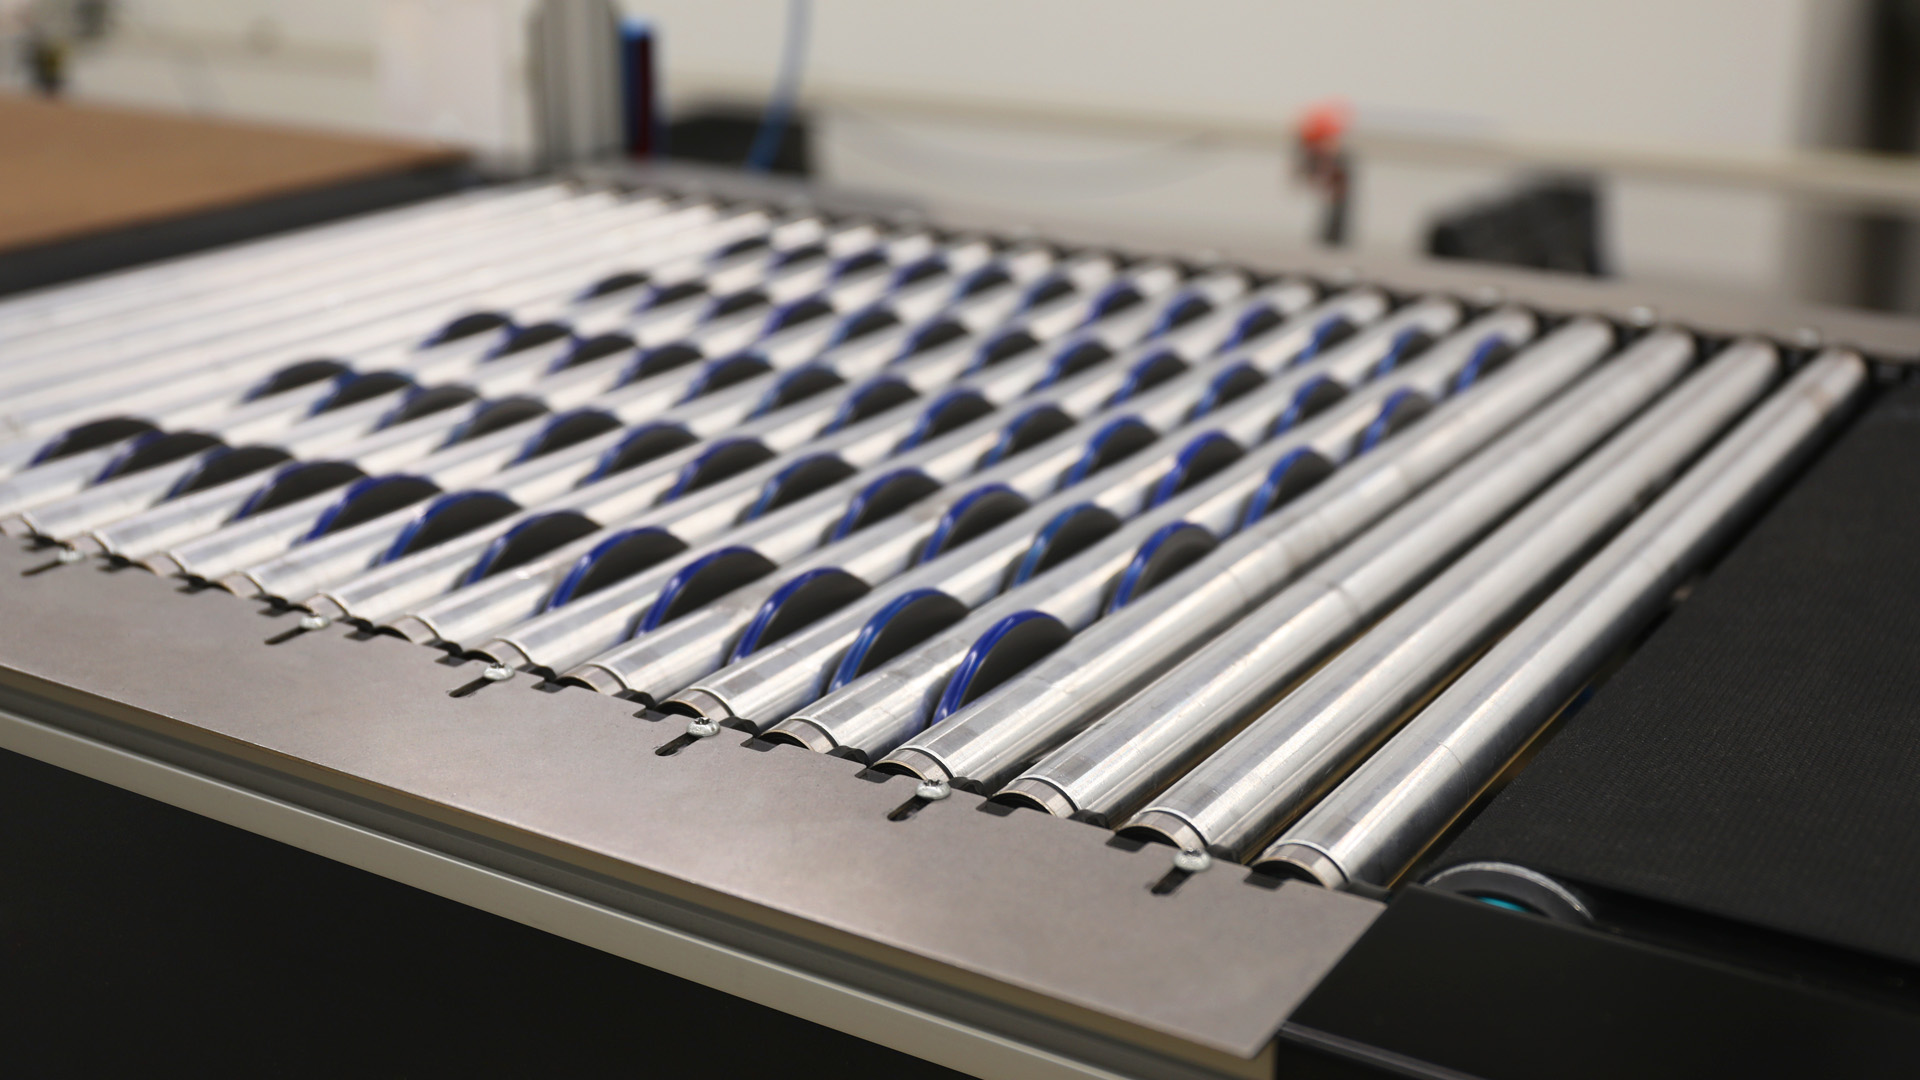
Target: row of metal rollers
x,y
967,590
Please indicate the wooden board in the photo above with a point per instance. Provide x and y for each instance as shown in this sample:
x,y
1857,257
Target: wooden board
x,y
70,170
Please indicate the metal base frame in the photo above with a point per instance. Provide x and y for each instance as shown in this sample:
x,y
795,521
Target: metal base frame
x,y
999,943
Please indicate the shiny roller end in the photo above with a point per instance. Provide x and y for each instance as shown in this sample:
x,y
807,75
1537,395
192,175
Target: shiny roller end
x,y
418,630
595,678
241,584
1035,794
1161,827
499,651
1299,862
908,761
801,733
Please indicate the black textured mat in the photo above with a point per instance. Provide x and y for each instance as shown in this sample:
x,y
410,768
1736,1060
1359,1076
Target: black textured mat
x,y
1759,757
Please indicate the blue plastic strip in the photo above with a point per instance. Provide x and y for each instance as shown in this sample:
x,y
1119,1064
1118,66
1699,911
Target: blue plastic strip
x,y
1397,351
1216,390
1243,327
1085,466
930,416
858,504
1382,425
1322,334
530,448
952,699
1470,372
354,491
916,270
1115,296
207,457
770,491
1060,367
1188,305
612,455
1123,593
1141,373
1176,478
856,400
849,667
942,532
1037,550
252,505
677,584
133,447
770,610
690,472
577,573
1296,409
1263,499
770,401
498,546
441,505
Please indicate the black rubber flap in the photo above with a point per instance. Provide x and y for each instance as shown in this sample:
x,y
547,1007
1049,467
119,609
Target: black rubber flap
x,y
427,402
158,450
1759,757
232,465
571,428
304,373
92,435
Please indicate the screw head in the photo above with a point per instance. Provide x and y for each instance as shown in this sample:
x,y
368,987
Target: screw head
x,y
497,673
1642,315
1192,861
315,622
933,790
69,555
1807,337
703,728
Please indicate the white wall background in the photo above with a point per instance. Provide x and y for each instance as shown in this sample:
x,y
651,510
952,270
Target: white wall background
x,y
925,90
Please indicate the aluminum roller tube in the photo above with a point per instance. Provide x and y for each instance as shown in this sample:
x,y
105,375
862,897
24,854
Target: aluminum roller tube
x,y
775,682
1262,777
574,632
874,712
470,614
330,560
639,406
221,380
1275,545
220,375
1150,737
128,294
987,742
265,292
395,587
331,434
1371,827
32,390
148,536
668,658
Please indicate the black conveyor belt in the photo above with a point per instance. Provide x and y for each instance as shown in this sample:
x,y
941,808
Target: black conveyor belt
x,y
1759,757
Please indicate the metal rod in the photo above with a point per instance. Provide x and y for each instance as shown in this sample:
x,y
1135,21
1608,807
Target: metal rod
x,y
873,706
1122,653
1263,776
1371,827
775,682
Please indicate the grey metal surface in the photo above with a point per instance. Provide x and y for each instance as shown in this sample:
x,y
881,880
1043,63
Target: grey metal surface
x,y
789,853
